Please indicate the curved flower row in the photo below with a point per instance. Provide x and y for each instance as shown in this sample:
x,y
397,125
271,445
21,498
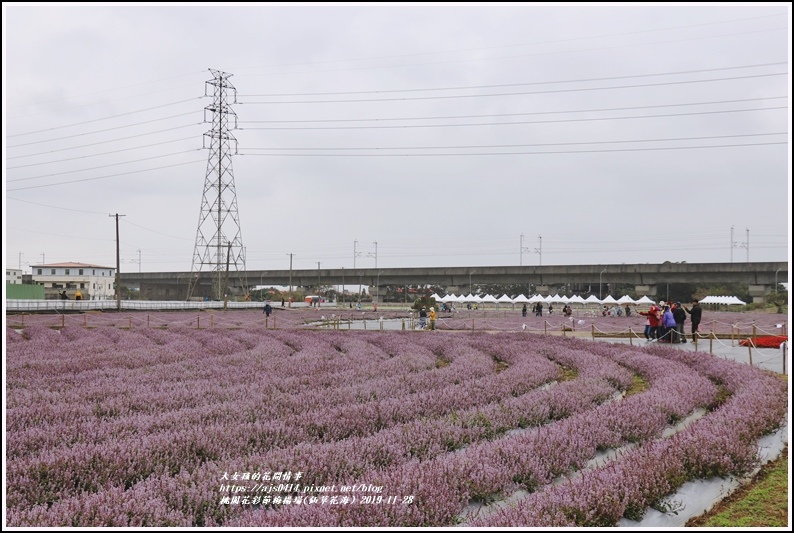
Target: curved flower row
x,y
441,452
531,460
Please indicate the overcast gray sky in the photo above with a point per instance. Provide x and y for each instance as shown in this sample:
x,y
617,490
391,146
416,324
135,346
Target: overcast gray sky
x,y
615,133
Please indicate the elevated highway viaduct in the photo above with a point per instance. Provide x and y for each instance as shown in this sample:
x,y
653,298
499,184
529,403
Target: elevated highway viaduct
x,y
647,278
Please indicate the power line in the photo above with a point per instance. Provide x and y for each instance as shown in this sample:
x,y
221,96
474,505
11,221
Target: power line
x,y
104,118
103,177
108,141
520,84
515,45
109,90
522,93
528,153
103,213
533,144
101,131
517,123
101,166
384,119
100,153
591,49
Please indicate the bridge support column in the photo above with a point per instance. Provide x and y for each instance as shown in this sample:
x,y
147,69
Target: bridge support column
x,y
545,290
646,290
758,292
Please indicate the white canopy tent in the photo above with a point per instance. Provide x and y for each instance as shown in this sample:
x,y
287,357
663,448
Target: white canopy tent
x,y
592,299
626,299
505,299
535,298
645,301
521,299
576,299
724,300
609,300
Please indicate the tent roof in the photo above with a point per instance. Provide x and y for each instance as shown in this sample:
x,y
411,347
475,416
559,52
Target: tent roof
x,y
645,300
726,300
593,299
609,300
489,298
505,299
626,299
521,299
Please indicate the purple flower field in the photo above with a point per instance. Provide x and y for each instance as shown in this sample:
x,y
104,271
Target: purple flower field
x,y
236,425
584,321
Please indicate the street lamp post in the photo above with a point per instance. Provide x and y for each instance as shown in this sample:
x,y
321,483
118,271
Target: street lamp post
x,y
290,279
377,285
261,283
539,250
599,283
376,253
355,253
470,273
521,250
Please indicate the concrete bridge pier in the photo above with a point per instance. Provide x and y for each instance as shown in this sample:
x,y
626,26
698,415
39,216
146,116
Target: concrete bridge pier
x,y
758,292
646,290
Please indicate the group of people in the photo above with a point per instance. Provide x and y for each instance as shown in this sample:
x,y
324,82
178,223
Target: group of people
x,y
424,314
616,310
665,322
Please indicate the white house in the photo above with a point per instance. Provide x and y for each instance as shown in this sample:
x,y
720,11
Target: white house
x,y
14,276
93,282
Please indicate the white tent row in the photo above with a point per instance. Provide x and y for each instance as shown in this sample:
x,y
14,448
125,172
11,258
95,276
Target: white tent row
x,y
725,300
592,299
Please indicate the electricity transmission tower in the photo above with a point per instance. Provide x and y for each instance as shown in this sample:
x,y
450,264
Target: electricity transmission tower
x,y
219,244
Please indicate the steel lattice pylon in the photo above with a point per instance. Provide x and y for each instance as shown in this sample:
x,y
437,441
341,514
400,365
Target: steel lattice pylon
x,y
219,245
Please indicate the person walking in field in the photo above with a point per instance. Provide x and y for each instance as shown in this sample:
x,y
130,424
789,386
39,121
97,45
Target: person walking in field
x,y
432,317
268,309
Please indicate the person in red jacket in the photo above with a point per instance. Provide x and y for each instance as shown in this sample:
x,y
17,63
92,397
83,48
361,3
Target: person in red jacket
x,y
653,318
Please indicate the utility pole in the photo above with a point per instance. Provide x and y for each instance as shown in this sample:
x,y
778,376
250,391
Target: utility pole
x,y
539,250
118,263
521,251
290,279
376,253
139,261
318,278
355,253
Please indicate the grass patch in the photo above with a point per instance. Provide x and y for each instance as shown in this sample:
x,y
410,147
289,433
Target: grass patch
x,y
638,384
762,503
568,373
